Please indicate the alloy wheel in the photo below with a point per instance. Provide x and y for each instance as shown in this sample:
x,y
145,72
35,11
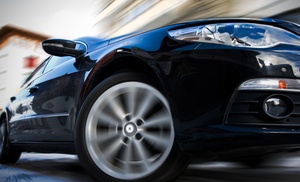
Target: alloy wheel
x,y
129,131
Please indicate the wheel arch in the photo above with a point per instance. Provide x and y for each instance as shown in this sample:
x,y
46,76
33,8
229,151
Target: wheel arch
x,y
123,62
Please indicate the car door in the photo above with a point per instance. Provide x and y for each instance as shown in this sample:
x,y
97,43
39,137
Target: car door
x,y
51,101
18,106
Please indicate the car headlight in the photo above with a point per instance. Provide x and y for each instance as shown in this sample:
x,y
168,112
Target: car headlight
x,y
235,34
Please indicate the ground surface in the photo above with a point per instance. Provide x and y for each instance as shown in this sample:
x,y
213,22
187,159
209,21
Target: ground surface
x,y
33,167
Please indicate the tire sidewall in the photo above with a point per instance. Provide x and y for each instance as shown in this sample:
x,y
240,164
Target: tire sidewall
x,y
8,154
165,172
4,140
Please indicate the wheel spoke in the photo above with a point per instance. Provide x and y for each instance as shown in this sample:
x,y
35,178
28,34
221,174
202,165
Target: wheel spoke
x,y
126,156
107,137
159,119
157,140
130,100
106,118
142,154
110,151
116,106
146,104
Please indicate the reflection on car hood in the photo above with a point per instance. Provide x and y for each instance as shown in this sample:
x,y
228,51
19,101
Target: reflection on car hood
x,y
93,43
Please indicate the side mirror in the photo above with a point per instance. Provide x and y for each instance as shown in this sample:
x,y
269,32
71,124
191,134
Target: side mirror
x,y
62,47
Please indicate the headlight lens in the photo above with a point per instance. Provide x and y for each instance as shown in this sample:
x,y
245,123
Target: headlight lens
x,y
236,34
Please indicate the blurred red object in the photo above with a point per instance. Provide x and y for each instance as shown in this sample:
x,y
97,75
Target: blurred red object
x,y
30,62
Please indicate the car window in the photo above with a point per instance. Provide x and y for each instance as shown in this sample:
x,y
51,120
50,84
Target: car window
x,y
237,34
55,61
36,73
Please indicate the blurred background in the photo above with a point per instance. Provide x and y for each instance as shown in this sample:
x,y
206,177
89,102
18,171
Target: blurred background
x,y
25,23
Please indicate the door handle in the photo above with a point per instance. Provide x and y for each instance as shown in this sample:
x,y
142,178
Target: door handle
x,y
33,89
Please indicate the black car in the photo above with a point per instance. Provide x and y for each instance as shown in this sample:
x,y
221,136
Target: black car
x,y
139,107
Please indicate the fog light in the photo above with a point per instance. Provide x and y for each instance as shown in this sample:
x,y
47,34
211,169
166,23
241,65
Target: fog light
x,y
278,106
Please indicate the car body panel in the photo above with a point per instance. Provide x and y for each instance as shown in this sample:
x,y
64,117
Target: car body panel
x,y
50,108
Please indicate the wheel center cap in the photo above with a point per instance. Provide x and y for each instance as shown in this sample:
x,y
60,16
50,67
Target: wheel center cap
x,y
130,129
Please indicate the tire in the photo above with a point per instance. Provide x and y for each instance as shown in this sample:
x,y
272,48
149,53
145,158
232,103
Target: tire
x,y
7,153
125,132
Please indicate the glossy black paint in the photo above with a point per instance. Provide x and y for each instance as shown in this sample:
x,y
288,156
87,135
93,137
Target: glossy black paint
x,y
199,79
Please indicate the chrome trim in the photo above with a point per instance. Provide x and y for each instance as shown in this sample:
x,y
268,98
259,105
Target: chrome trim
x,y
42,116
82,43
53,44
